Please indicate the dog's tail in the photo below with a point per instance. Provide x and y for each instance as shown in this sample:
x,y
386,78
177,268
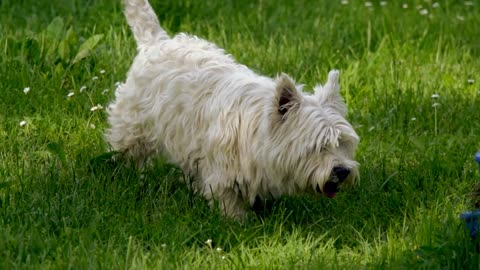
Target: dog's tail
x,y
143,21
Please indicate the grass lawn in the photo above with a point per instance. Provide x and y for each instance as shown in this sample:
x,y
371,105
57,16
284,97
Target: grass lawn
x,y
62,206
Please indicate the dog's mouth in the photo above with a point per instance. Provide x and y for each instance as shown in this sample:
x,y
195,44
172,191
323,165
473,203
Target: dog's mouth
x,y
330,189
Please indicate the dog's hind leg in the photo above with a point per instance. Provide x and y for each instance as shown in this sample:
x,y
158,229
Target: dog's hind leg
x,y
125,139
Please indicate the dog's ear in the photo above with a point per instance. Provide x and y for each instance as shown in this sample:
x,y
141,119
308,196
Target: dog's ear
x,y
287,96
331,89
329,94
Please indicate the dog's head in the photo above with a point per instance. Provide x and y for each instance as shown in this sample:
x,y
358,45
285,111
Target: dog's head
x,y
314,143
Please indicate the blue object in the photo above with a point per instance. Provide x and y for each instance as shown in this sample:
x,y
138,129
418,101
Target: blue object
x,y
471,220
477,158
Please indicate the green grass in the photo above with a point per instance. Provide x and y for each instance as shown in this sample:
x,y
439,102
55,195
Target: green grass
x,y
62,207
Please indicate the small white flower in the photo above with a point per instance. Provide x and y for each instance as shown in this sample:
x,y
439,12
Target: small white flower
x,y
26,90
383,3
82,88
70,94
468,3
435,96
223,257
470,81
219,249
102,71
414,119
94,78
92,126
435,5
208,242
435,104
163,245
23,123
368,4
344,2
460,18
97,107
405,6
423,12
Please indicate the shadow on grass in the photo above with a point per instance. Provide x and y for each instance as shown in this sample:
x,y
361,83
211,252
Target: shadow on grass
x,y
167,201
107,202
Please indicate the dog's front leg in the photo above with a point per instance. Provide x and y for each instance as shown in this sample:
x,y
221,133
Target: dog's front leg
x,y
229,202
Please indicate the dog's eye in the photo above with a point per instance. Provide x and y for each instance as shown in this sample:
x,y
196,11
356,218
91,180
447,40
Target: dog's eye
x,y
282,110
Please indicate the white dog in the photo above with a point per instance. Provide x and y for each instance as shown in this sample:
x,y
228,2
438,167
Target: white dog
x,y
238,134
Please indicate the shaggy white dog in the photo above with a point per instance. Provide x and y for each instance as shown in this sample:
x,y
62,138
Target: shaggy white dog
x,y
238,134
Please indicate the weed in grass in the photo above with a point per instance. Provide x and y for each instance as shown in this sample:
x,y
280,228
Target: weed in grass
x,y
435,106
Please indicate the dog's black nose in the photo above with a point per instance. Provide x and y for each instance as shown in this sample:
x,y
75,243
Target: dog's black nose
x,y
341,172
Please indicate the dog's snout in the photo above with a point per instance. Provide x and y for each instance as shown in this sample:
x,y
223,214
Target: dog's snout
x,y
341,172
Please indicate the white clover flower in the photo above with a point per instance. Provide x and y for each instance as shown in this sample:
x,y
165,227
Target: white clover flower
x,y
92,126
26,90
82,88
94,78
102,71
368,4
423,12
435,96
405,5
97,107
413,119
435,5
70,94
470,81
223,257
209,243
219,249
344,2
163,245
435,104
383,3
23,123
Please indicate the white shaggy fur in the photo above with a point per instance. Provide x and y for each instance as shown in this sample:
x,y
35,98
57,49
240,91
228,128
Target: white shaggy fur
x,y
238,134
